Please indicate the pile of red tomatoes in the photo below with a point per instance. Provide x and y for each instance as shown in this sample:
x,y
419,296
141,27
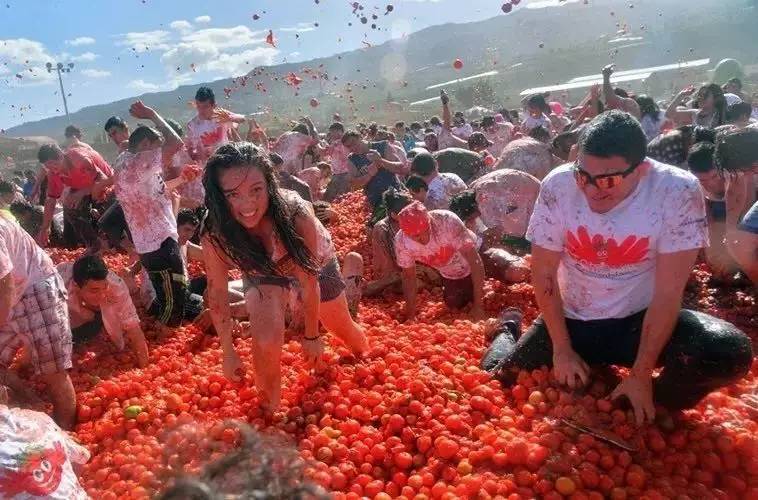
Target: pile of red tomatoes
x,y
416,418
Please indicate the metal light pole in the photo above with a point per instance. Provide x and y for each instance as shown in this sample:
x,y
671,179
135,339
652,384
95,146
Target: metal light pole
x,y
60,68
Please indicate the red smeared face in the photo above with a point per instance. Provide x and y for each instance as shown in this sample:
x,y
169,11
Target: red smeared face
x,y
40,473
205,109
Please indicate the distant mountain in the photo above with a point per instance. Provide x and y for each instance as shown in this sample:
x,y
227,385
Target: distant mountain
x,y
529,47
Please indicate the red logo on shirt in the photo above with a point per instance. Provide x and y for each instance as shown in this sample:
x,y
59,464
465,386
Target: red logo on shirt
x,y
598,250
39,473
439,259
211,138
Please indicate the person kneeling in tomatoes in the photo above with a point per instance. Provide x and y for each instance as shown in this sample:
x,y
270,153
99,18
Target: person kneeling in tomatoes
x,y
439,239
99,300
614,240
33,315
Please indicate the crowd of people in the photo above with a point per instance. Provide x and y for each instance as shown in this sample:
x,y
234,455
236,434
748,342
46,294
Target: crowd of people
x,y
605,206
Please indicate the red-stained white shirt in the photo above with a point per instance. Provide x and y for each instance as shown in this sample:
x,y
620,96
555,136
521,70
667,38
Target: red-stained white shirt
x,y
608,261
443,251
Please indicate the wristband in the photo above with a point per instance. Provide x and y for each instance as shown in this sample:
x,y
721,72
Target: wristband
x,y
313,338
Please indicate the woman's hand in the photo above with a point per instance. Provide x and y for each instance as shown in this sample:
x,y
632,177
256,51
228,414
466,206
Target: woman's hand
x,y
232,365
313,350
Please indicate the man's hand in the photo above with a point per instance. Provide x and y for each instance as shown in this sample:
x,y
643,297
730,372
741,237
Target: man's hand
x,y
191,171
638,389
568,366
232,365
221,115
444,97
313,351
608,70
139,110
204,320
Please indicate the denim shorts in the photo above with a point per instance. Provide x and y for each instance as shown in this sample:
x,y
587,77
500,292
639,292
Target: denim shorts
x,y
330,281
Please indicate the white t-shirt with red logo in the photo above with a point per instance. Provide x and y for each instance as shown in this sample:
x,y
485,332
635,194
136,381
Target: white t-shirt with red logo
x,y
607,267
204,137
443,251
36,457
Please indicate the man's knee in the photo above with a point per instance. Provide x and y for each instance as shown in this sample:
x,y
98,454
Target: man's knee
x,y
726,351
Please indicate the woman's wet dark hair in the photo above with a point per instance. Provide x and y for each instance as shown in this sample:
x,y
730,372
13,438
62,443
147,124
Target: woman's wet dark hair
x,y
244,249
719,101
648,107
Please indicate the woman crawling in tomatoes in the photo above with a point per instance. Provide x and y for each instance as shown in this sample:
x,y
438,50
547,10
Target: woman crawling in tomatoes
x,y
280,246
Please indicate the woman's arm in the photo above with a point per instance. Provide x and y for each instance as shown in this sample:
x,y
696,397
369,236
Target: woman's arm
x,y
681,116
218,302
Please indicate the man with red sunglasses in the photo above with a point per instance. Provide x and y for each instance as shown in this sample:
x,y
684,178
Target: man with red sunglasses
x,y
614,238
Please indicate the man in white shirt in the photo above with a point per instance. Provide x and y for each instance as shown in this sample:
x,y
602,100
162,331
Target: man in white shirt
x,y
440,240
33,315
98,300
440,187
210,128
614,239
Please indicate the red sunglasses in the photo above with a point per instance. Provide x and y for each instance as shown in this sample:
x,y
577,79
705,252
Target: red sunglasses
x,y
603,181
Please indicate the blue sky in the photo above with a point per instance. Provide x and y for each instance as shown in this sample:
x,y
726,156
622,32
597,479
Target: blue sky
x,y
126,48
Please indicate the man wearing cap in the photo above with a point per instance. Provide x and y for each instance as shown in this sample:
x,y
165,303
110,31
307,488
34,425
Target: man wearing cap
x,y
440,187
440,240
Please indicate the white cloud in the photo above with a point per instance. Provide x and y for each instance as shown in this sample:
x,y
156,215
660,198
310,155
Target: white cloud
x,y
143,86
242,62
145,40
20,50
82,40
225,38
299,28
26,58
294,54
96,73
203,19
181,25
185,54
86,57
